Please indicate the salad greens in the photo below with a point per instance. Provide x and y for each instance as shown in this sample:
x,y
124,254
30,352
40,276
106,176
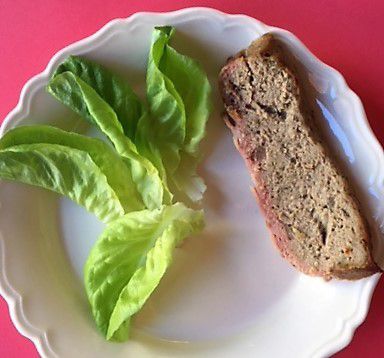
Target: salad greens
x,y
129,259
178,96
132,185
78,95
112,88
65,170
104,157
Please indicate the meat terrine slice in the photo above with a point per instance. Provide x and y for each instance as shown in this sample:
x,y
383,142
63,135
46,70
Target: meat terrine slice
x,y
314,217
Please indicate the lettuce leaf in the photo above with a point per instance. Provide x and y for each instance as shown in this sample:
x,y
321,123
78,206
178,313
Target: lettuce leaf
x,y
165,104
178,95
128,261
83,99
192,85
160,148
109,162
110,87
67,171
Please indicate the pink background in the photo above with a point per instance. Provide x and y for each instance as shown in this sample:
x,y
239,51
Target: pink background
x,y
345,34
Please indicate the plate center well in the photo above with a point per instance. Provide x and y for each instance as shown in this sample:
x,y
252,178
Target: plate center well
x,y
220,281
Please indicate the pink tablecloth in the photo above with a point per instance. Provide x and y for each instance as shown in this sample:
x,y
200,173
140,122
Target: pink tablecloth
x,y
345,34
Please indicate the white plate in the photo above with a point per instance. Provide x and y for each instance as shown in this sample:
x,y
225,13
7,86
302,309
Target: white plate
x,y
228,294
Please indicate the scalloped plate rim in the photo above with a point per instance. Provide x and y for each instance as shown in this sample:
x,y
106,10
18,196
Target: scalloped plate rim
x,y
13,298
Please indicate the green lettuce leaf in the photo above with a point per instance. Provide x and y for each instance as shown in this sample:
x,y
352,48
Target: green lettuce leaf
x,y
78,95
128,261
147,147
165,104
67,171
110,87
178,94
109,162
192,85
